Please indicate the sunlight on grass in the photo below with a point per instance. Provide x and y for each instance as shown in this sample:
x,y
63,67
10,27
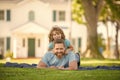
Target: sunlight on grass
x,y
29,60
84,62
98,61
104,62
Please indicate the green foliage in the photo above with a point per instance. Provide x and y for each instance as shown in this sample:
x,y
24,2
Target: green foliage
x,y
77,11
8,54
105,13
110,11
115,8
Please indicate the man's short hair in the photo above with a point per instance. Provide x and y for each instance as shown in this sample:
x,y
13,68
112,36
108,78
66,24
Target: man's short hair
x,y
59,41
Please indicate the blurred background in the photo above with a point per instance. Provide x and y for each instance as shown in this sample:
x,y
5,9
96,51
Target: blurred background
x,y
92,26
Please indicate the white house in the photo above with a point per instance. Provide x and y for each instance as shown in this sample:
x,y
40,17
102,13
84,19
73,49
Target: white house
x,y
25,25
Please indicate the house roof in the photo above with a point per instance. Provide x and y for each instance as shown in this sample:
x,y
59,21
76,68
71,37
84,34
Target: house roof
x,y
31,27
10,1
54,1
47,1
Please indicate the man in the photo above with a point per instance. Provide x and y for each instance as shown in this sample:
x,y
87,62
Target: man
x,y
59,60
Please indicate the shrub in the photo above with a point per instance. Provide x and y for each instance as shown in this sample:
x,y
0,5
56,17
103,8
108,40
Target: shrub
x,y
8,54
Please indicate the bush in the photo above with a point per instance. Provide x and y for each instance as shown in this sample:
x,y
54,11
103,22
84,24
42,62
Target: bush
x,y
8,54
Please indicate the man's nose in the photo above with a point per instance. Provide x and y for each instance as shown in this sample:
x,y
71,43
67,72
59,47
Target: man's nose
x,y
59,50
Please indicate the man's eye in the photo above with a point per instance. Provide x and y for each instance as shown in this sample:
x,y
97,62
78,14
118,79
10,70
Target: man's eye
x,y
61,48
56,48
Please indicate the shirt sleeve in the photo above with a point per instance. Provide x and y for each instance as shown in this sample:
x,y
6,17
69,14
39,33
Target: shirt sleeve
x,y
72,57
67,43
46,58
50,46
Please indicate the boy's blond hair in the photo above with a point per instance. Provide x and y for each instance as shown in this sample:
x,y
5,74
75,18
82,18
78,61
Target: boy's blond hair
x,y
58,30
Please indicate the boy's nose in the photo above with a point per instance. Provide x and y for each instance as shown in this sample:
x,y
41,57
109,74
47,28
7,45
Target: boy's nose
x,y
57,37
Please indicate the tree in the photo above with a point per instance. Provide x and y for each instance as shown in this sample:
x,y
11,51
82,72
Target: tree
x,y
92,10
115,17
105,16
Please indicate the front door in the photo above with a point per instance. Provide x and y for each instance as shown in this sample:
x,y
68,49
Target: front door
x,y
31,47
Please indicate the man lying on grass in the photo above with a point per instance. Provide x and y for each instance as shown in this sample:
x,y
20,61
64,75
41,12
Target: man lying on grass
x,y
59,60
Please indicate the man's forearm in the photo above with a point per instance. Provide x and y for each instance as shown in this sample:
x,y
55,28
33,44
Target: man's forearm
x,y
41,65
72,66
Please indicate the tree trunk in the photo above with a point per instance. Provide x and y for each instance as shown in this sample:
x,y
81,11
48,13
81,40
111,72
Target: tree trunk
x,y
91,15
107,51
116,51
108,38
92,43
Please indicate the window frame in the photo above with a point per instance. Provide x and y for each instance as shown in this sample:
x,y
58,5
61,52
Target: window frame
x,y
3,17
31,15
8,15
59,15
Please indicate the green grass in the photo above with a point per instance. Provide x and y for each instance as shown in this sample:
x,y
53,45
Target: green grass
x,y
10,73
101,62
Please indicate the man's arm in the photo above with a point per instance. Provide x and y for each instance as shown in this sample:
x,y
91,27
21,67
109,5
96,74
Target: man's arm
x,y
72,66
72,61
41,65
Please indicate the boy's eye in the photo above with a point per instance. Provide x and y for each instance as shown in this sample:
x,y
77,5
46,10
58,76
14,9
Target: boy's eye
x,y
54,34
57,33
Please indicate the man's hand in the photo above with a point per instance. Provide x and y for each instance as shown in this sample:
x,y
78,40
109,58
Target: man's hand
x,y
61,68
41,65
67,51
53,67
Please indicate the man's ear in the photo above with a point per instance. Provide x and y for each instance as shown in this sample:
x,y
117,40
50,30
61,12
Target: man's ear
x,y
65,50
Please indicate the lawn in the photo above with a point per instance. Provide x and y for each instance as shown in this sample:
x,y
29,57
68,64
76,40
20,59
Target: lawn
x,y
10,73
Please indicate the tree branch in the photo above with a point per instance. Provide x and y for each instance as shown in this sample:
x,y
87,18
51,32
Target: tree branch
x,y
99,6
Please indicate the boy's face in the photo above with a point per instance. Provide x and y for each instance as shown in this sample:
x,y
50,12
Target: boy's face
x,y
59,50
56,35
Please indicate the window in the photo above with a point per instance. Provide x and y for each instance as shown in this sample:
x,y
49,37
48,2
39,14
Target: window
x,y
79,42
54,15
2,15
38,42
5,15
23,42
61,15
8,14
58,15
8,43
31,16
73,41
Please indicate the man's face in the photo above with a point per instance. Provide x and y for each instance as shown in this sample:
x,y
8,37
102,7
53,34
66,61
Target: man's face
x,y
59,50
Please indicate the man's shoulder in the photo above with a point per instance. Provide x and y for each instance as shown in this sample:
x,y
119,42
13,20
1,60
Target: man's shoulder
x,y
49,54
70,53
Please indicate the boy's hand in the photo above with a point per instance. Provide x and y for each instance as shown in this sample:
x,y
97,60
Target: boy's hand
x,y
67,51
